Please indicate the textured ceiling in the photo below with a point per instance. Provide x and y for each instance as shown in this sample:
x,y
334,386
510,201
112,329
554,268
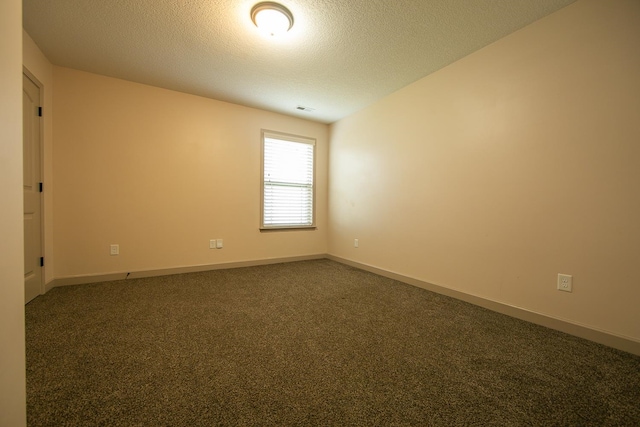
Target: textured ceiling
x,y
340,55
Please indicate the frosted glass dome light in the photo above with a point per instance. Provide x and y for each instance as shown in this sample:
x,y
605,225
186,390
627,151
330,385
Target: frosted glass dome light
x,y
272,18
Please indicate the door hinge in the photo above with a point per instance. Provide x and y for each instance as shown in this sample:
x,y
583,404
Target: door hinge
x,y
40,187
39,111
41,261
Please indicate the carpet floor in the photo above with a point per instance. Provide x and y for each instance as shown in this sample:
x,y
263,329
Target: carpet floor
x,y
312,343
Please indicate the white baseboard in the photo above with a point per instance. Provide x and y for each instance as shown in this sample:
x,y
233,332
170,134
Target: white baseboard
x,y
96,278
602,337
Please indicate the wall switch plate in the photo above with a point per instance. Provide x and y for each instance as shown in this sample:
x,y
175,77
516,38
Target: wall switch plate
x,y
356,243
212,244
114,250
219,244
565,282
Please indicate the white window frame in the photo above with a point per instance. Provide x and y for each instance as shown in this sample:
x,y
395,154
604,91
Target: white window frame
x,y
267,134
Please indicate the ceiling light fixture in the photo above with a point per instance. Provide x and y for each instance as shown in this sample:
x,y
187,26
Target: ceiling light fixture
x,y
272,18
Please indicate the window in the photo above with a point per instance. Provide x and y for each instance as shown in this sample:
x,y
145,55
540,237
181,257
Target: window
x,y
288,181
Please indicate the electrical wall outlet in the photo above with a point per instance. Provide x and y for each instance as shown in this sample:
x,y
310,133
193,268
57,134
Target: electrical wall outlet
x,y
565,282
356,243
212,244
114,250
219,244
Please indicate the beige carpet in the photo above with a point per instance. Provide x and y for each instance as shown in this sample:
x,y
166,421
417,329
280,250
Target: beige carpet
x,y
312,343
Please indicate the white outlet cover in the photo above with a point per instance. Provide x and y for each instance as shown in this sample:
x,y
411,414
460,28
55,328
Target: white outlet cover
x,y
565,283
219,244
356,243
212,244
114,250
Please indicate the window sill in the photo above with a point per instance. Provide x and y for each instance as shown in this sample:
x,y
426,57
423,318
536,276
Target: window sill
x,y
290,228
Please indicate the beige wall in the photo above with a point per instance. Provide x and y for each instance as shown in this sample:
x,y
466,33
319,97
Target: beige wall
x,y
514,164
160,173
41,69
12,366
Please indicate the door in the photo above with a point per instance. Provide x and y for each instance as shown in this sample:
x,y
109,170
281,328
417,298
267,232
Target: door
x,y
31,188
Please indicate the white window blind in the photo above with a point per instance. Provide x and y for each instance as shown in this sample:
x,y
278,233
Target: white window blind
x,y
288,181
